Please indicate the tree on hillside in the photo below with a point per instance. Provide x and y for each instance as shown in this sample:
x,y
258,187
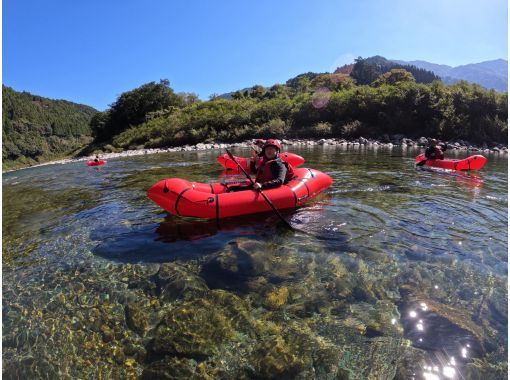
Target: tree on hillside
x,y
238,95
257,92
333,82
301,83
394,76
188,97
277,91
131,107
345,69
99,121
363,72
366,71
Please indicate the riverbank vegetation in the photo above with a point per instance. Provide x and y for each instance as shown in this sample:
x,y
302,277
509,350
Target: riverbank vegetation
x,y
371,98
328,105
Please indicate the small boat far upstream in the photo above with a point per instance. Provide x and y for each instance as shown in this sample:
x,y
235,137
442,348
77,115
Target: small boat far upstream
x,y
95,163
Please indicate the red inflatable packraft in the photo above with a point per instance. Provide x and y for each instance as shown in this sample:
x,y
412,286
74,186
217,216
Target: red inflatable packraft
x,y
212,201
95,163
475,162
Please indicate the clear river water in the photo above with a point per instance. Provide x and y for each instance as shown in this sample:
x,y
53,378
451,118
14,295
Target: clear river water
x,y
392,273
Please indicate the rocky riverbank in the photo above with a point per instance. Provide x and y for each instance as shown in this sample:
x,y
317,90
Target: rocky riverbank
x,y
385,142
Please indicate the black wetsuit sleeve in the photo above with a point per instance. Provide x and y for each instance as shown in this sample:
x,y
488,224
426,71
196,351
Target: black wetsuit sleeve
x,y
253,168
279,171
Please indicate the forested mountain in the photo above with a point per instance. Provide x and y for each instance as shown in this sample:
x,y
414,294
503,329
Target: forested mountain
x,y
367,70
36,129
489,74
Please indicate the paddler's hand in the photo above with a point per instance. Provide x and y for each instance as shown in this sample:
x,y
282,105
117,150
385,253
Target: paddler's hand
x,y
257,186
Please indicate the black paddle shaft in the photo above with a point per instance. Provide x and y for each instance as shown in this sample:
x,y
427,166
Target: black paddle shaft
x,y
260,191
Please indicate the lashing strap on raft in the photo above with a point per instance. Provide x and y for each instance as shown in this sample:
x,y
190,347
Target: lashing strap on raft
x,y
178,199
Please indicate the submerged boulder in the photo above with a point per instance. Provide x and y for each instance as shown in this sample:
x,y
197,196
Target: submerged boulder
x,y
198,328
175,281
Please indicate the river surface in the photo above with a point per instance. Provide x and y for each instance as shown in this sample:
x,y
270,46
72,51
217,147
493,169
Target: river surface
x,y
392,273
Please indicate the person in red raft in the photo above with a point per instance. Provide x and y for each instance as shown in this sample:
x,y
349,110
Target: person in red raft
x,y
271,172
435,151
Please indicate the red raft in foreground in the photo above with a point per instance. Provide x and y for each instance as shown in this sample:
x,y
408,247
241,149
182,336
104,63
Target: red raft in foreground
x,y
227,162
211,201
475,162
95,163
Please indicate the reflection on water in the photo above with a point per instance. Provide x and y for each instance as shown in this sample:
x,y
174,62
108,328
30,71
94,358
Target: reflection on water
x,y
394,273
176,238
472,179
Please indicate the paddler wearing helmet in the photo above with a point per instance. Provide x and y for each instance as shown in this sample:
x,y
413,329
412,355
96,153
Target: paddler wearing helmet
x,y
272,171
435,151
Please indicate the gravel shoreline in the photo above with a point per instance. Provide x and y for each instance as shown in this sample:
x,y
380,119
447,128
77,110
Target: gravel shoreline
x,y
387,142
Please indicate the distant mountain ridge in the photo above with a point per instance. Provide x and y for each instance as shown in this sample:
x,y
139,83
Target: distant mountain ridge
x,y
489,74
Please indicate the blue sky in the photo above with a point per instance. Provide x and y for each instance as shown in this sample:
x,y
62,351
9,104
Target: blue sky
x,y
91,51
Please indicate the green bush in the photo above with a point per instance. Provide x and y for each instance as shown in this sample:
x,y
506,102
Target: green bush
x,y
322,129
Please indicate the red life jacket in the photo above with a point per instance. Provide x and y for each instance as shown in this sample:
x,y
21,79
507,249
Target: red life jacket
x,y
264,173
258,161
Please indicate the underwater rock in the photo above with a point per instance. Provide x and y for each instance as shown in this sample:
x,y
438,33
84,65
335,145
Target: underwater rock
x,y
136,351
337,278
29,368
360,357
175,281
244,260
274,359
173,368
377,318
288,350
456,317
146,285
170,369
198,328
107,332
277,297
411,362
136,318
487,370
